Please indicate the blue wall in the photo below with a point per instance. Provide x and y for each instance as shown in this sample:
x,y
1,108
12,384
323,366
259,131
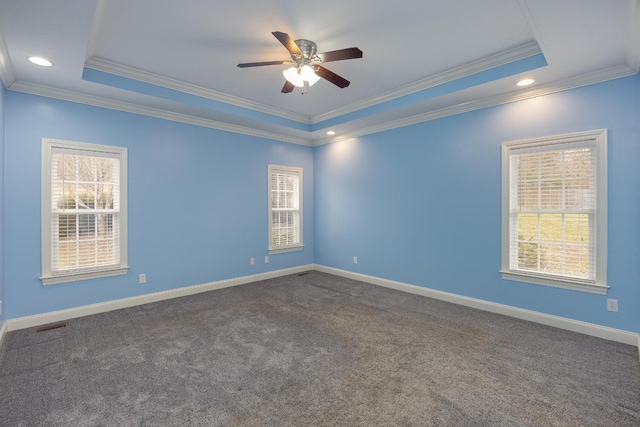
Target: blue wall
x,y
197,202
2,126
421,204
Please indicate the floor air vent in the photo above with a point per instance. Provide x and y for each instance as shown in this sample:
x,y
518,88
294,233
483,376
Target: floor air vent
x,y
51,327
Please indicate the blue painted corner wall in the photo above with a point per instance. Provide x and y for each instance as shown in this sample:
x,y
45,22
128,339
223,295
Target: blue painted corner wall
x,y
198,206
2,127
418,204
422,204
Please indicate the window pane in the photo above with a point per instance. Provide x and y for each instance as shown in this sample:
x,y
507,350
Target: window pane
x,y
576,228
527,167
527,195
67,227
551,165
551,195
68,196
105,254
578,163
528,227
104,196
528,255
104,225
551,228
66,167
579,194
86,168
67,254
577,261
551,258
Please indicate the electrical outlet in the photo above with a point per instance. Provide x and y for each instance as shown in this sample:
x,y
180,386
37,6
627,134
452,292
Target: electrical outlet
x,y
143,278
252,261
266,260
612,305
355,259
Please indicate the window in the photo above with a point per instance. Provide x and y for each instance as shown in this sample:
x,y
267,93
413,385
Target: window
x,y
285,209
84,211
554,211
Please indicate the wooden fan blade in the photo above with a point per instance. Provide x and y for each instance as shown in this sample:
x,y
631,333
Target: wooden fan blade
x,y
332,77
287,42
260,64
288,87
339,55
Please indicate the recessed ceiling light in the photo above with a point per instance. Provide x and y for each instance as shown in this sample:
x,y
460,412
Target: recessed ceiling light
x,y
331,132
525,82
40,61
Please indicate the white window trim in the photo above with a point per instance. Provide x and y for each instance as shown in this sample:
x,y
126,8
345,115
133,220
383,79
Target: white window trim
x,y
49,278
291,170
597,286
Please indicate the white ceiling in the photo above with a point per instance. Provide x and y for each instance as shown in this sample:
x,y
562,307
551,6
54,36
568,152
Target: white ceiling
x,y
410,47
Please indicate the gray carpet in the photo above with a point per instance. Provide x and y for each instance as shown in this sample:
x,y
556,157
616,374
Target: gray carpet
x,y
313,350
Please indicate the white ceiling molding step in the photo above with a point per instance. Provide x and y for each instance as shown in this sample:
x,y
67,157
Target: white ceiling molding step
x,y
166,82
6,70
633,43
96,101
555,87
503,58
528,16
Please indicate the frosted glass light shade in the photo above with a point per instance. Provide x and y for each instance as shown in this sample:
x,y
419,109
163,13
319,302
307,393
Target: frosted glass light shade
x,y
292,76
309,75
297,77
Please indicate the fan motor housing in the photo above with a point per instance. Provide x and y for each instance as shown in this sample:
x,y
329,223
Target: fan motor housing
x,y
309,49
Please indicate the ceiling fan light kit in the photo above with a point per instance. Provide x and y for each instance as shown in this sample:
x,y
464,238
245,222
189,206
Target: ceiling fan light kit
x,y
306,69
298,76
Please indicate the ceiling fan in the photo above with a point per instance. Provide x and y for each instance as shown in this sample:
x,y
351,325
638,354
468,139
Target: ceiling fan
x,y
306,69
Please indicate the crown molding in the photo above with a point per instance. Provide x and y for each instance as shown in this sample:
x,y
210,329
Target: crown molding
x,y
520,52
109,67
554,87
6,69
97,101
600,76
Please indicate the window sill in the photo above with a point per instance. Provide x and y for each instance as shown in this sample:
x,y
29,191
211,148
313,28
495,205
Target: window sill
x,y
285,250
86,275
555,281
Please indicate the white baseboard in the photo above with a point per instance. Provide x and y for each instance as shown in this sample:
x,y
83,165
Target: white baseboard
x,y
3,332
586,328
86,310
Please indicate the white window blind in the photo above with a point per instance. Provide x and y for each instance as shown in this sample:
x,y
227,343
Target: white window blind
x,y
86,208
285,208
83,220
554,209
